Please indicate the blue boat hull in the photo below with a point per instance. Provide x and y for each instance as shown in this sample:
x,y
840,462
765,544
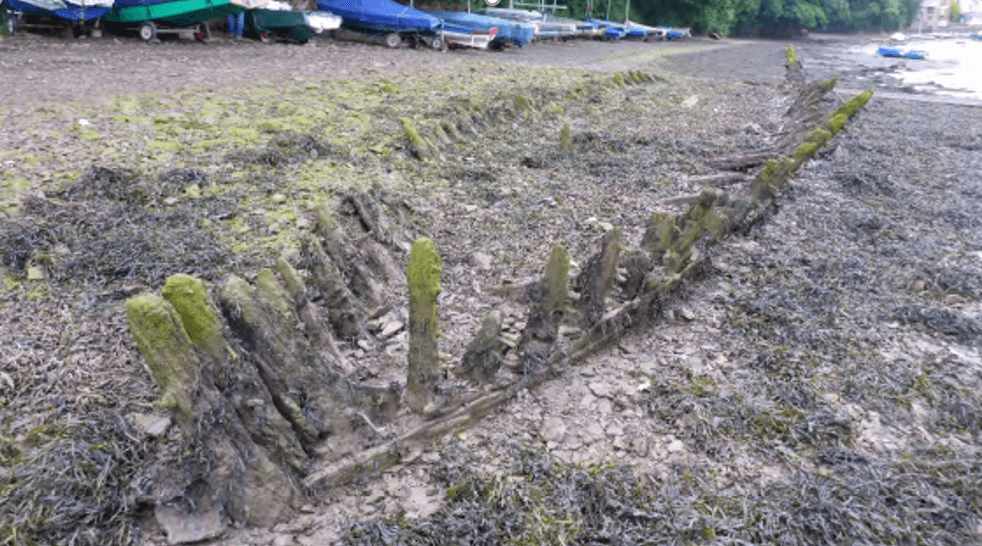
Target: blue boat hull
x,y
71,12
379,16
897,53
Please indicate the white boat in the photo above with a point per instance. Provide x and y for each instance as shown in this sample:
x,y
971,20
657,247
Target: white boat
x,y
478,39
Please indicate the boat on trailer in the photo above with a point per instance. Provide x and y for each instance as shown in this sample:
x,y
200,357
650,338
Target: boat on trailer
x,y
278,19
76,11
154,17
513,32
389,19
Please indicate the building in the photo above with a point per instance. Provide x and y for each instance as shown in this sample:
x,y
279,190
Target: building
x,y
971,11
933,14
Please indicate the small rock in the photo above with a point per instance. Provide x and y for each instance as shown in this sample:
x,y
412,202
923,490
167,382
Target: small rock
x,y
193,191
283,540
954,299
481,261
675,446
390,329
278,198
553,429
614,430
690,102
303,223
292,255
36,273
605,226
470,208
587,401
171,201
918,286
599,390
151,425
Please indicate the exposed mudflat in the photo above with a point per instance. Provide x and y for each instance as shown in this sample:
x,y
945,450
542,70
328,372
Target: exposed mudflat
x,y
819,384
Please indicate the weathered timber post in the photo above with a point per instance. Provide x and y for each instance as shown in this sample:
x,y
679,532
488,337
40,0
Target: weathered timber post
x,y
346,312
597,278
168,351
316,325
546,313
423,278
231,430
565,139
482,359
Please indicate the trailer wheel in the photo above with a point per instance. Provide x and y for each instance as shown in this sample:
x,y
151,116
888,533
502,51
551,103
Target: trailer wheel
x,y
393,40
437,43
148,31
12,20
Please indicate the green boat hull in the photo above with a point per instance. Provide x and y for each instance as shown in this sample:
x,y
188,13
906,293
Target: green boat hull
x,y
181,13
292,24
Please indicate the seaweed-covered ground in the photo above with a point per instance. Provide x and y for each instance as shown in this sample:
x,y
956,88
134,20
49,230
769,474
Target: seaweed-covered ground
x,y
818,385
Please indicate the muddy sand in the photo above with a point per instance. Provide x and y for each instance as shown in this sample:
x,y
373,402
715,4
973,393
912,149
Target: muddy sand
x,y
817,383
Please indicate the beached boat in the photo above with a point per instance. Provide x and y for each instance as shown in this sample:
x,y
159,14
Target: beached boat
x,y
387,18
465,36
279,19
156,16
513,14
617,30
900,53
513,32
76,11
581,28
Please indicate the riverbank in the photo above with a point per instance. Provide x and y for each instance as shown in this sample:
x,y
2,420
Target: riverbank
x,y
831,352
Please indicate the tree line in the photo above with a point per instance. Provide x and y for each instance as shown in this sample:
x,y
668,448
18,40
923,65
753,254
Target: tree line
x,y
776,17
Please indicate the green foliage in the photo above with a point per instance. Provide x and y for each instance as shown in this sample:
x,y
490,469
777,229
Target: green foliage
x,y
956,12
782,17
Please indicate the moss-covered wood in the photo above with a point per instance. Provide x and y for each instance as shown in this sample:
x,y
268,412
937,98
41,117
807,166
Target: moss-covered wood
x,y
423,279
347,314
238,450
482,359
307,390
168,351
546,311
597,278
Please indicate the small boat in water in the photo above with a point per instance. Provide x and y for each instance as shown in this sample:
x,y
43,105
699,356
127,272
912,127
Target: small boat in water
x,y
76,11
901,54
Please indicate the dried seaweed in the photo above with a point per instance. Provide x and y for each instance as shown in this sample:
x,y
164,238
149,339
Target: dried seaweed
x,y
929,499
74,484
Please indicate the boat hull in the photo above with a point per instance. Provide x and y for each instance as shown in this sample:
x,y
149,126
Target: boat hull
x,y
379,16
76,12
180,13
520,34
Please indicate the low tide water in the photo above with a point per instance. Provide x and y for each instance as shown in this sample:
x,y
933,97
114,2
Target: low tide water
x,y
953,66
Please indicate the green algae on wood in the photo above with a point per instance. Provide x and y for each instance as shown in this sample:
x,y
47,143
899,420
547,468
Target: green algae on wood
x,y
565,138
418,145
482,358
598,276
190,298
167,349
423,279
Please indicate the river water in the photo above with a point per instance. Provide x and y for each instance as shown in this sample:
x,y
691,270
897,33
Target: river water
x,y
953,66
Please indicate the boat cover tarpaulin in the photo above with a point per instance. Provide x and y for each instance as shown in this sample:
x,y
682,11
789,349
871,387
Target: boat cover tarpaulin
x,y
76,10
379,15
